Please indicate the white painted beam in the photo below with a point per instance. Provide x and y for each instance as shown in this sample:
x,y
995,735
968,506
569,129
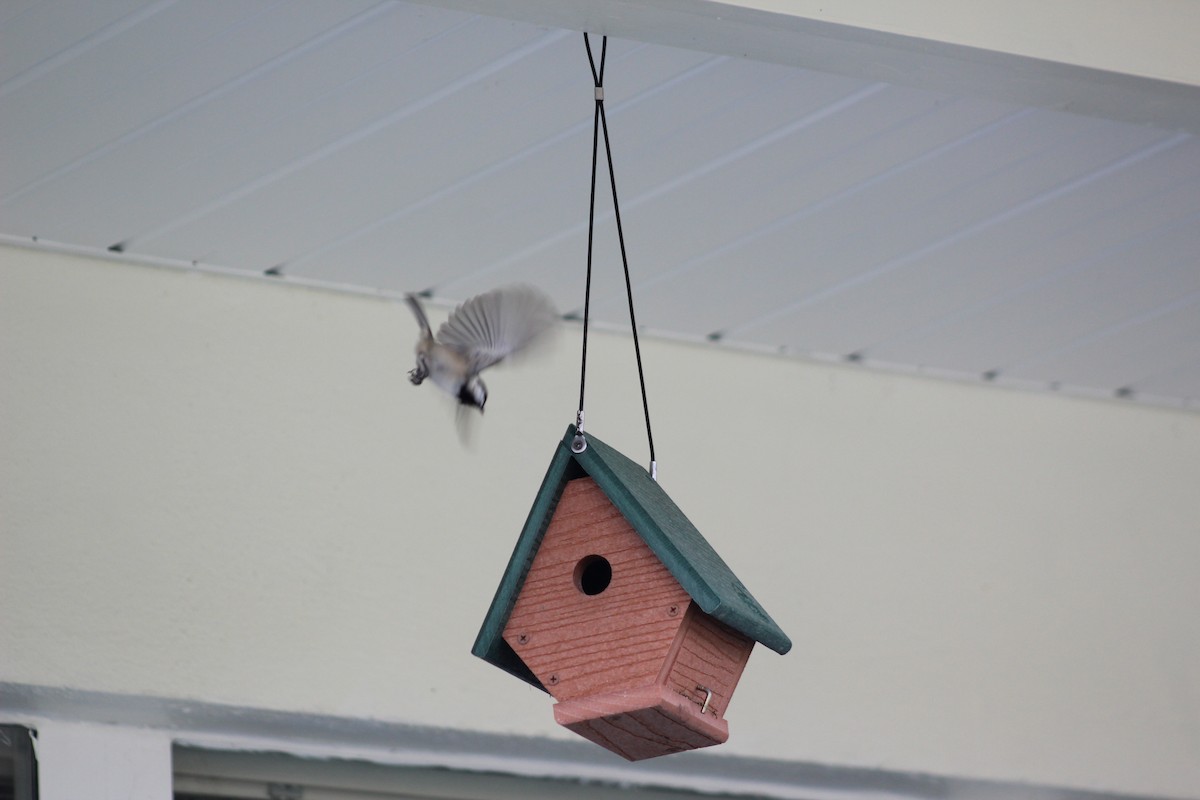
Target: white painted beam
x,y
1141,38
1118,59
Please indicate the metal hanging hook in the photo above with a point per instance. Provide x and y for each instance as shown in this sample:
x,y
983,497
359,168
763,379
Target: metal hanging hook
x,y
579,443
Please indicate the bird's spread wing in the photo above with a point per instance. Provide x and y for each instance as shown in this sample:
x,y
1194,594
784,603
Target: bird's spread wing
x,y
495,325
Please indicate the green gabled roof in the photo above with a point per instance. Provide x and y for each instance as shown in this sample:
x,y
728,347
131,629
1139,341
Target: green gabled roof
x,y
663,527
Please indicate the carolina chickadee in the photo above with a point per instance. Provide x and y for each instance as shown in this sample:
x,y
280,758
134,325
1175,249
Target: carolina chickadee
x,y
479,333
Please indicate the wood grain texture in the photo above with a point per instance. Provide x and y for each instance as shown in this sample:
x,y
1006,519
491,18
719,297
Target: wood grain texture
x,y
660,525
707,653
579,644
641,723
489,643
688,556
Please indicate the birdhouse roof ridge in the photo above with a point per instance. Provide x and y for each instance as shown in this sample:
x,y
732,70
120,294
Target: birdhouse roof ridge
x,y
660,523
688,556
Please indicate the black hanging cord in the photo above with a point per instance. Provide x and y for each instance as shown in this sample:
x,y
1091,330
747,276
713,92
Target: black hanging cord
x,y
600,123
598,77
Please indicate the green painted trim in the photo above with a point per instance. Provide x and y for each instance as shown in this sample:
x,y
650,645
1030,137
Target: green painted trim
x,y
661,524
689,557
489,644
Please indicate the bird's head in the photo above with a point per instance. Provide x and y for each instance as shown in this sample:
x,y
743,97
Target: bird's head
x,y
473,393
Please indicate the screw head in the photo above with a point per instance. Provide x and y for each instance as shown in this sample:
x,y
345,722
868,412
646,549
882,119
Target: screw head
x,y
523,638
553,680
673,610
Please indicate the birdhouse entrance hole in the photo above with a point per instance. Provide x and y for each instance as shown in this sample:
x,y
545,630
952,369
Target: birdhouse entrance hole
x,y
593,574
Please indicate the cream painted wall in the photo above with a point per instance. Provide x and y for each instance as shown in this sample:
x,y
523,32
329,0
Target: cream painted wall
x,y
222,489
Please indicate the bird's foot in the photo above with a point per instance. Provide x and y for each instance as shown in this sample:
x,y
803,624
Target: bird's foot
x,y
417,375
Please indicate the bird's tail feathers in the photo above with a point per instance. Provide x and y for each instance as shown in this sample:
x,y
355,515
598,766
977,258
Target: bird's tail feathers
x,y
466,421
419,313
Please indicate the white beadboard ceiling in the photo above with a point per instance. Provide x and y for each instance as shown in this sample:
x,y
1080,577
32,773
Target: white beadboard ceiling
x,y
399,147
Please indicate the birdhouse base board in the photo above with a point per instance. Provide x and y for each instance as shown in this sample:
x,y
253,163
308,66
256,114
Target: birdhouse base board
x,y
642,723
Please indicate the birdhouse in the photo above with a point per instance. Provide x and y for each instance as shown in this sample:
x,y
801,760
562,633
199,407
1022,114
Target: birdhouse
x,y
615,605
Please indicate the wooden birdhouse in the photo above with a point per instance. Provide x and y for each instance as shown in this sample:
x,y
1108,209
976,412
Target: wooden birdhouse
x,y
616,605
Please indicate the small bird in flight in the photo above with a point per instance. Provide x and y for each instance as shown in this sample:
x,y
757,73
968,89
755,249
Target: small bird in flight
x,y
481,332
